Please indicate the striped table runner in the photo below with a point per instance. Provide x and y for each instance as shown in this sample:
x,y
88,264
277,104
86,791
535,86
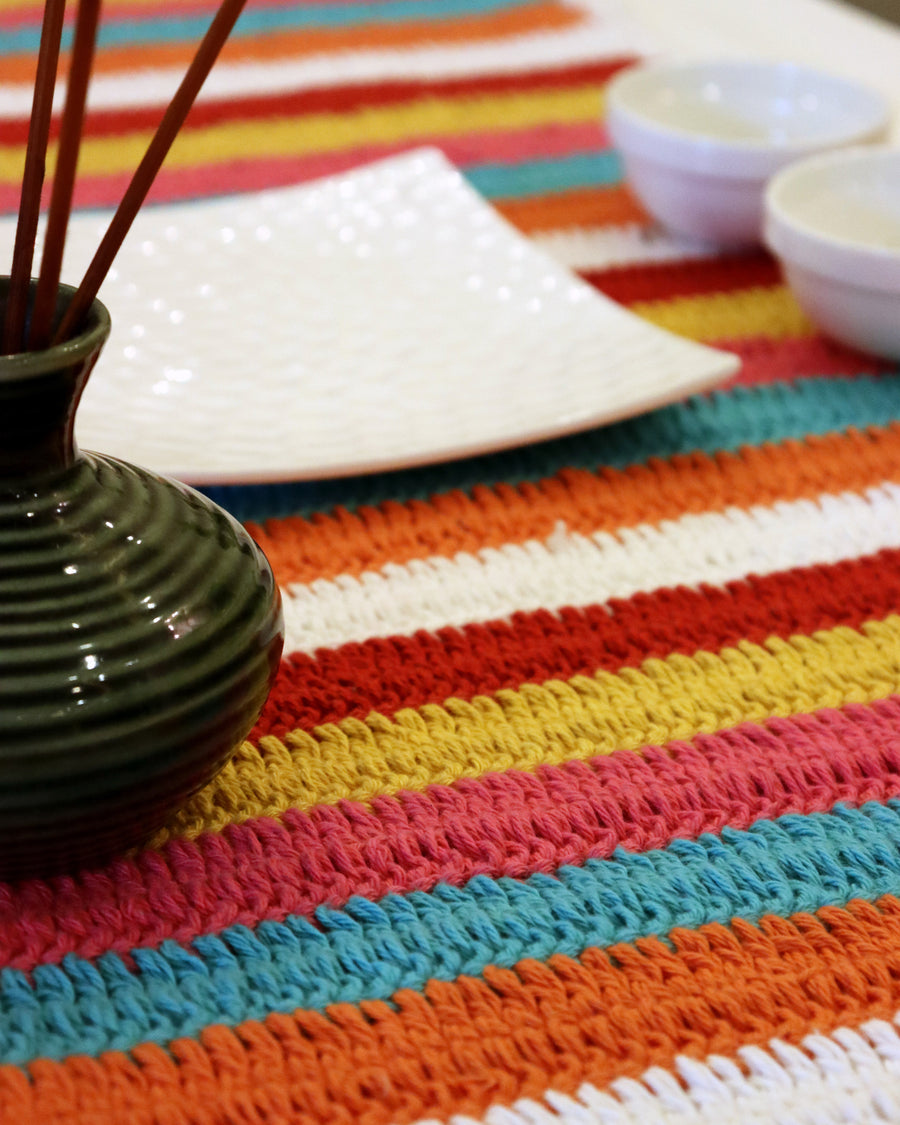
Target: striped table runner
x,y
577,801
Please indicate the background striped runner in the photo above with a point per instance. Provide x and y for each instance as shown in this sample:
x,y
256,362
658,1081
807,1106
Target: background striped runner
x,y
578,797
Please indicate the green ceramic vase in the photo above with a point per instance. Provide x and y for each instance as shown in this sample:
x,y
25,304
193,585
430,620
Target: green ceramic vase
x,y
140,627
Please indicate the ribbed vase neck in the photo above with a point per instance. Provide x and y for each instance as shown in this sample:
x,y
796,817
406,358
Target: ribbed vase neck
x,y
39,395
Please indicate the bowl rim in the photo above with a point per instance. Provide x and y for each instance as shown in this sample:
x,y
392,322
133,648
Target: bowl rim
x,y
638,134
801,244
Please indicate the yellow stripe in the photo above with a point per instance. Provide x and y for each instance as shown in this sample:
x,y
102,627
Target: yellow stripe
x,y
674,698
332,132
770,311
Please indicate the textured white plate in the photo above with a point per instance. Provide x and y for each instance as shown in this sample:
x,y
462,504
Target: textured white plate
x,y
378,319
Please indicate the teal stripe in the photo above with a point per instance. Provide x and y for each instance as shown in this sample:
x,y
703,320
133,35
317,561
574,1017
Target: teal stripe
x,y
371,949
725,420
262,20
544,177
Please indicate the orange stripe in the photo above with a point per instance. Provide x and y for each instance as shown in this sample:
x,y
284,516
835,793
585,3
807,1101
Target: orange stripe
x,y
350,543
545,16
583,207
463,1046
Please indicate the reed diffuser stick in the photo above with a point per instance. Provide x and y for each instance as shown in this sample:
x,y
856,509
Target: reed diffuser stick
x,y
71,128
141,182
33,177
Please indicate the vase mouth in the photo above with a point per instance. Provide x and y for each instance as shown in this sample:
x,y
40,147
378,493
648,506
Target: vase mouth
x,y
69,353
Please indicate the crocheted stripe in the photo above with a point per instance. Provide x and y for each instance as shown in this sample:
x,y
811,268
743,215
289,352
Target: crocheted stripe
x,y
766,360
509,825
589,40
533,16
580,207
354,97
660,288
599,248
319,133
459,1047
526,178
199,890
524,149
387,674
353,103
570,569
177,26
849,1075
524,152
24,13
370,951
656,281
14,13
263,173
709,423
585,502
560,721
769,311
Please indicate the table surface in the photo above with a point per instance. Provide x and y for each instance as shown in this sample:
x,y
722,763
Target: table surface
x,y
576,800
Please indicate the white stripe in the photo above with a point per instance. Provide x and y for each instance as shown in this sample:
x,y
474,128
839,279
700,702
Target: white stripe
x,y
571,569
598,38
851,1077
597,248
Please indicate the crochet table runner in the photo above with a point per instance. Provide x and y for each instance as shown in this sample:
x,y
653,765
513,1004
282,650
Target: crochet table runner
x,y
576,800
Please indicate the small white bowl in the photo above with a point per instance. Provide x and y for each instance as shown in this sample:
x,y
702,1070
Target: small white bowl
x,y
834,222
700,140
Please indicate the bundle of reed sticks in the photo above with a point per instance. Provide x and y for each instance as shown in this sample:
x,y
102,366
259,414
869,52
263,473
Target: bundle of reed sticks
x,y
21,333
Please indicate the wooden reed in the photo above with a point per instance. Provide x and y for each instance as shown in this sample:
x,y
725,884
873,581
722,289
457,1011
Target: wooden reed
x,y
33,177
141,182
71,129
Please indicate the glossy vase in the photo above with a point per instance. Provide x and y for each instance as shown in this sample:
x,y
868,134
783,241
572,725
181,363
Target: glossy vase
x,y
140,628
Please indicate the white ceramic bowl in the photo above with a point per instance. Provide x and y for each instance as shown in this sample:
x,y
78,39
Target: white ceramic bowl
x,y
834,222
700,140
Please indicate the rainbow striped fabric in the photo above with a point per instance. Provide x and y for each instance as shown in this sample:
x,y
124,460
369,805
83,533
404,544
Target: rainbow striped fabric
x,y
577,801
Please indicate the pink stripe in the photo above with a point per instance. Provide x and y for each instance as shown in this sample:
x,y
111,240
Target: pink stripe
x,y
511,824
256,175
770,361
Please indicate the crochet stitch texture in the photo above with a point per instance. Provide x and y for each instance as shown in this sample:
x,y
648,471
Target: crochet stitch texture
x,y
577,800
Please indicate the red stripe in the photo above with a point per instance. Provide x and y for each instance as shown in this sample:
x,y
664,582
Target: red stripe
x,y
333,99
511,824
668,280
771,361
385,674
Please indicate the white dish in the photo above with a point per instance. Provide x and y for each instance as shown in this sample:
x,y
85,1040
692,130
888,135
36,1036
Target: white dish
x,y
834,221
374,320
699,140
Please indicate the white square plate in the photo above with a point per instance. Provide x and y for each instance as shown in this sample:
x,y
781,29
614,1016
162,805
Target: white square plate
x,y
374,320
